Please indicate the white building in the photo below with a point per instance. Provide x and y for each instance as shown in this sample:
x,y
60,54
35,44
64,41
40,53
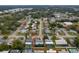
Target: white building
x,y
61,42
49,41
51,51
68,23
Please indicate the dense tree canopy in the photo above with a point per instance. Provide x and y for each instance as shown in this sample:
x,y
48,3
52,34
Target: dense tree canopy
x,y
17,44
4,47
77,41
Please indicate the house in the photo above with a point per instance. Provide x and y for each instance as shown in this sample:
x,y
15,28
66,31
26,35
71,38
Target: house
x,y
27,51
38,42
61,42
51,51
23,30
9,42
49,43
1,40
28,44
4,51
73,50
66,24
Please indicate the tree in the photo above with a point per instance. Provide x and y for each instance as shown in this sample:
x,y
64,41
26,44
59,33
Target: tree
x,y
3,47
76,42
53,39
5,37
59,25
26,34
17,44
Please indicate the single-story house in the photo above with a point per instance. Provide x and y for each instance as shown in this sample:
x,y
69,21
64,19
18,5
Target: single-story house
x,y
61,42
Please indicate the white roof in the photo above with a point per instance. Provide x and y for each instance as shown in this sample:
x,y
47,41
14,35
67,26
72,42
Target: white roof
x,y
4,52
68,23
23,31
49,42
51,51
39,42
61,41
28,42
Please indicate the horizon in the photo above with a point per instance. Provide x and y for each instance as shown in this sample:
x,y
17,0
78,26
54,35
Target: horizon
x,y
5,7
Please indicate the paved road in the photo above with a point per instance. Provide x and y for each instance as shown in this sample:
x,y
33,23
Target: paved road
x,y
40,29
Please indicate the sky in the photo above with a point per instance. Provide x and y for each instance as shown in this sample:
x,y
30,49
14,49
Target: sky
x,y
39,2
